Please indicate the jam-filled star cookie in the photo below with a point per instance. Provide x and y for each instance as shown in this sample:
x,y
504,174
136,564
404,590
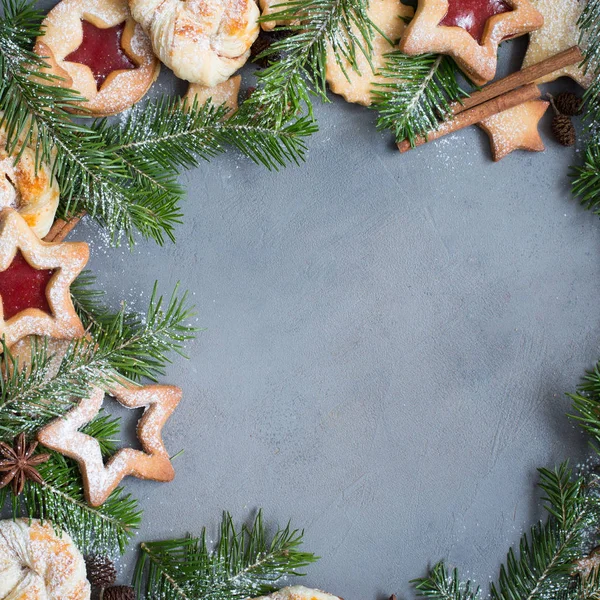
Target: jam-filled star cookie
x,y
559,32
35,282
98,50
356,86
469,31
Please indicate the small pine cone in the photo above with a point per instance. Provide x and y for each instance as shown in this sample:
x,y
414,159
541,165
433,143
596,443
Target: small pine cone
x,y
569,104
100,570
119,592
563,130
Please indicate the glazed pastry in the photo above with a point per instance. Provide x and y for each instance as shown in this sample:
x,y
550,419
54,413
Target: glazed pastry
x,y
38,563
355,86
33,193
202,41
225,93
35,280
469,31
298,592
99,51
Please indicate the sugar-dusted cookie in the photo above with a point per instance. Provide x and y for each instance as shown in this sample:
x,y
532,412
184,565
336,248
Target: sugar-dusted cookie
x,y
224,93
202,41
38,563
32,191
100,51
469,30
35,281
515,129
356,86
559,32
153,462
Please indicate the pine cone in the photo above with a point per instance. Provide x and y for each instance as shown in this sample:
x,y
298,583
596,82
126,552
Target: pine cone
x,y
119,592
100,570
563,130
568,103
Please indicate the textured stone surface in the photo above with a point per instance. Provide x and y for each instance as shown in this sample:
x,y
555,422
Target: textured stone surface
x,y
388,342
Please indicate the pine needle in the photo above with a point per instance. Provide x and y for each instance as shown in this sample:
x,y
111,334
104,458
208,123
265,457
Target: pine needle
x,y
244,564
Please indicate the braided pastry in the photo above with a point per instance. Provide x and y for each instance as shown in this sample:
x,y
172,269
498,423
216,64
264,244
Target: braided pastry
x,y
36,563
202,41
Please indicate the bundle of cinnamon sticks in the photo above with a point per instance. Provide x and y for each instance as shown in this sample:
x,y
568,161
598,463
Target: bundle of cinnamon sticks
x,y
499,96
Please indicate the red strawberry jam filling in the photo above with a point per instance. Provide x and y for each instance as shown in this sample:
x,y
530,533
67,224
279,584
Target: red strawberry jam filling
x,y
472,15
22,286
101,51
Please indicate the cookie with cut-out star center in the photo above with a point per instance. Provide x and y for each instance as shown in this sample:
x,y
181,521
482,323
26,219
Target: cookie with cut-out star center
x,y
469,30
515,129
35,282
152,462
98,50
559,32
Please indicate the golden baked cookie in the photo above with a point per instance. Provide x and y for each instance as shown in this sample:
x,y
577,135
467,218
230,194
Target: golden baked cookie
x,y
99,479
99,51
559,32
224,93
298,592
469,30
202,41
35,281
34,193
38,563
387,15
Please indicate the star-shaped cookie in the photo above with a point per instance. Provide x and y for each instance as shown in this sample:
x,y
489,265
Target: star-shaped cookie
x,y
477,58
153,462
515,129
559,32
35,281
223,93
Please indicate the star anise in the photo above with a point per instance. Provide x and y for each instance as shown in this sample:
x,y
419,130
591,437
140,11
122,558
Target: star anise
x,y
19,463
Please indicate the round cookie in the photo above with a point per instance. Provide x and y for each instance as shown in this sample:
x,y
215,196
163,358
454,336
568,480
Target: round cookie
x,y
36,562
202,41
97,48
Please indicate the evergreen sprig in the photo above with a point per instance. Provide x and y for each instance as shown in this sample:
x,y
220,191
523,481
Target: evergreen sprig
x,y
544,561
418,95
286,85
586,404
100,530
244,564
122,344
586,177
439,584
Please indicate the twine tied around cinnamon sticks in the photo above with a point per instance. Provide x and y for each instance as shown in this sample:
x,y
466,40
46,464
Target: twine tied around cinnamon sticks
x,y
498,96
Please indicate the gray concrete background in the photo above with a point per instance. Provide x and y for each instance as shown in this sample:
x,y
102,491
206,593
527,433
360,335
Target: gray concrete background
x,y
388,342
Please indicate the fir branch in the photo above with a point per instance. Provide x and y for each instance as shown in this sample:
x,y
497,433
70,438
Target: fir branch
x,y
178,135
122,344
545,556
586,177
586,404
102,530
243,564
441,585
285,86
418,95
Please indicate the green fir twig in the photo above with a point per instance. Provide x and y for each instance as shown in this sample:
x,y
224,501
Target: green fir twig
x,y
244,563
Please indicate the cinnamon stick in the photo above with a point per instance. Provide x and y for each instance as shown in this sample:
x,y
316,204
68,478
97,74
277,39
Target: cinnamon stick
x,y
61,229
528,75
501,88
478,113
